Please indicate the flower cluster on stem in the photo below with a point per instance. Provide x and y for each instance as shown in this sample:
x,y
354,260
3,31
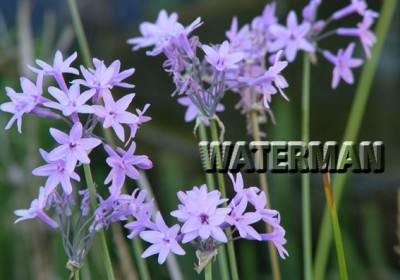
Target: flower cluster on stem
x,y
81,110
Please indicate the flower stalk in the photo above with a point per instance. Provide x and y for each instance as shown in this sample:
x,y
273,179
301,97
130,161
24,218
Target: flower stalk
x,y
305,178
208,272
104,247
276,273
221,188
222,258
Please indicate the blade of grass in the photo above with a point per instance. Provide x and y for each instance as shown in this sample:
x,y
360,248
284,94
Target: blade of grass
x,y
352,129
335,225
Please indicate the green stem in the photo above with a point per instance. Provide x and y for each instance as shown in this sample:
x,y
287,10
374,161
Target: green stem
x,y
76,274
205,158
276,273
222,260
221,187
335,224
80,33
305,178
208,271
104,248
352,129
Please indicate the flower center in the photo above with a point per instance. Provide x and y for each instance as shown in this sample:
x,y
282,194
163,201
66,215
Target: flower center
x,y
204,218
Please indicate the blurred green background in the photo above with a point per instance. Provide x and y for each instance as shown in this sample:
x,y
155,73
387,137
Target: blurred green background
x,y
369,210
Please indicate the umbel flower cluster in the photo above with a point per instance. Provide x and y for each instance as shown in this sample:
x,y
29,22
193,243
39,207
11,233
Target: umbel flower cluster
x,y
204,216
204,73
81,110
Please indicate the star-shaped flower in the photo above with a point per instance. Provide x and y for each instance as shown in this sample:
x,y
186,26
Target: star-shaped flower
x,y
343,62
291,38
57,172
200,214
25,102
114,113
122,164
72,102
363,31
222,58
164,240
36,210
72,147
59,65
242,221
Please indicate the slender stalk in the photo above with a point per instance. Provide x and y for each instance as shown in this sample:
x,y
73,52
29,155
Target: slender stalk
x,y
222,259
221,187
76,274
276,273
205,158
220,176
305,178
352,129
208,271
80,33
335,224
104,248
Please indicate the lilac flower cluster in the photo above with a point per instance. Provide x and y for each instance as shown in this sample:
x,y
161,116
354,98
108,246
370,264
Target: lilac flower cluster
x,y
81,111
205,78
204,216
305,36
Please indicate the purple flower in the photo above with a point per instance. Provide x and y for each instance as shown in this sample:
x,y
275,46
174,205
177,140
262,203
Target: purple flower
x,y
278,238
200,214
343,62
242,221
270,81
222,58
366,36
114,113
240,190
193,111
57,172
142,119
59,65
105,77
161,34
151,32
310,11
72,147
36,210
269,216
25,102
292,38
267,18
163,240
122,164
358,6
71,102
